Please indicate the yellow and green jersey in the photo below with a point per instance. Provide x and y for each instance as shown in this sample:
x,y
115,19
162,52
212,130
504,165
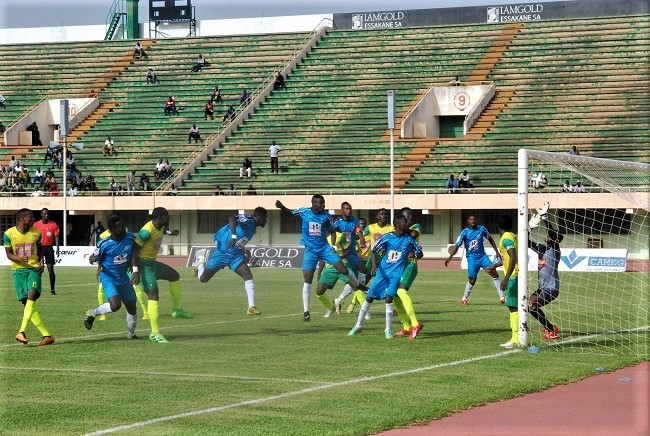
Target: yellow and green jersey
x,y
149,239
508,240
418,228
374,232
23,244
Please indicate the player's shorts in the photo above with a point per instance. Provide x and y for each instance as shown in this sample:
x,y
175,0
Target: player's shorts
x,y
475,265
313,255
330,275
220,259
383,285
48,253
544,297
409,275
511,292
26,279
150,270
125,290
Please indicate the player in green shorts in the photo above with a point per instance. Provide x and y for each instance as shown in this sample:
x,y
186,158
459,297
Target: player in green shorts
x,y
329,275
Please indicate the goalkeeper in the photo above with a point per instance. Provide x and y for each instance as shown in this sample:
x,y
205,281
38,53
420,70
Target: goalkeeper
x,y
548,259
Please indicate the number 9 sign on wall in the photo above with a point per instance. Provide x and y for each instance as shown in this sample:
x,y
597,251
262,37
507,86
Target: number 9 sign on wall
x,y
461,101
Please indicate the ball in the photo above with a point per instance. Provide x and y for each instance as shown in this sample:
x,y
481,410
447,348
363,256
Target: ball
x,y
539,180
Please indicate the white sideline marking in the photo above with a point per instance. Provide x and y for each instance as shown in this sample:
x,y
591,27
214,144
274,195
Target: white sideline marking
x,y
158,374
298,392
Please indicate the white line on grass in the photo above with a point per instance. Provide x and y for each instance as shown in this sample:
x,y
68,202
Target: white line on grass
x,y
298,392
158,374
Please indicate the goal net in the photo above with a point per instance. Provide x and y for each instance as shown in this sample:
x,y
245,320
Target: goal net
x,y
600,209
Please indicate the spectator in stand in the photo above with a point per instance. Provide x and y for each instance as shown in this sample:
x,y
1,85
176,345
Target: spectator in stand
x,y
2,127
112,187
579,187
92,94
170,107
245,98
216,95
463,180
138,51
251,190
217,190
195,134
452,185
79,180
231,190
70,163
246,168
120,190
567,186
230,114
574,151
145,185
130,182
279,81
208,110
90,184
73,191
2,102
168,168
18,168
109,147
53,153
54,189
49,179
37,192
173,191
455,81
38,177
36,135
200,63
23,177
152,77
274,151
159,170
12,163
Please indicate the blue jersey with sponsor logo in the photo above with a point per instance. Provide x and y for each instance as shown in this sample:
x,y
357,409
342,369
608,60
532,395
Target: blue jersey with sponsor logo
x,y
114,257
349,229
315,227
397,249
245,230
473,240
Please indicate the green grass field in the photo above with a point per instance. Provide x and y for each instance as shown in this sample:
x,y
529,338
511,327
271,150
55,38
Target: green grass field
x,y
226,373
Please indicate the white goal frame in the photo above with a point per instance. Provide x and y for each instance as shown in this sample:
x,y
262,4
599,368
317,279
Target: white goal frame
x,y
641,198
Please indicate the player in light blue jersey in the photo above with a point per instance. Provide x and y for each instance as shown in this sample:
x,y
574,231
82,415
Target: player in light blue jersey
x,y
472,237
316,225
396,245
115,257
231,241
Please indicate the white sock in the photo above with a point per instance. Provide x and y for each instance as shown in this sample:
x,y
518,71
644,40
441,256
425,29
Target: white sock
x,y
306,293
102,310
347,290
362,313
199,270
249,286
389,315
353,279
497,284
131,321
468,289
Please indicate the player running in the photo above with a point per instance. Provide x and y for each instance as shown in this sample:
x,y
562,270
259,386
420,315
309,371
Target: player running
x,y
472,236
231,241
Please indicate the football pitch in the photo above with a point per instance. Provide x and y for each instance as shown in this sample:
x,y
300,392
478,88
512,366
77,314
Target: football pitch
x,y
224,372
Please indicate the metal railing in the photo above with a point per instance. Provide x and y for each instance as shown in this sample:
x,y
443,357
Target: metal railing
x,y
240,112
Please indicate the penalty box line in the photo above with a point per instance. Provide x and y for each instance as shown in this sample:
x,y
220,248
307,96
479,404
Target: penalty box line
x,y
305,391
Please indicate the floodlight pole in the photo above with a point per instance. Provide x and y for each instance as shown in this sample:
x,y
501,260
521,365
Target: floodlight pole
x,y
65,191
391,126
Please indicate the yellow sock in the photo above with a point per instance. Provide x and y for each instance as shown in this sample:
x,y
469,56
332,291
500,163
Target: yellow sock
x,y
359,297
514,326
175,292
36,320
27,314
326,301
401,312
408,306
153,315
101,298
142,298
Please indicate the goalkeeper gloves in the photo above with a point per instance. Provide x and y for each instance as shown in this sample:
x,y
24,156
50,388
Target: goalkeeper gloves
x,y
534,221
543,212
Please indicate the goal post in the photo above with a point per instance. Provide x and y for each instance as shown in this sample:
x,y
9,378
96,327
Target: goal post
x,y
604,269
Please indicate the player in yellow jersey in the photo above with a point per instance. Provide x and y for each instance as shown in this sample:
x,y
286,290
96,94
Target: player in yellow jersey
x,y
403,302
101,297
23,247
149,270
508,249
363,251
